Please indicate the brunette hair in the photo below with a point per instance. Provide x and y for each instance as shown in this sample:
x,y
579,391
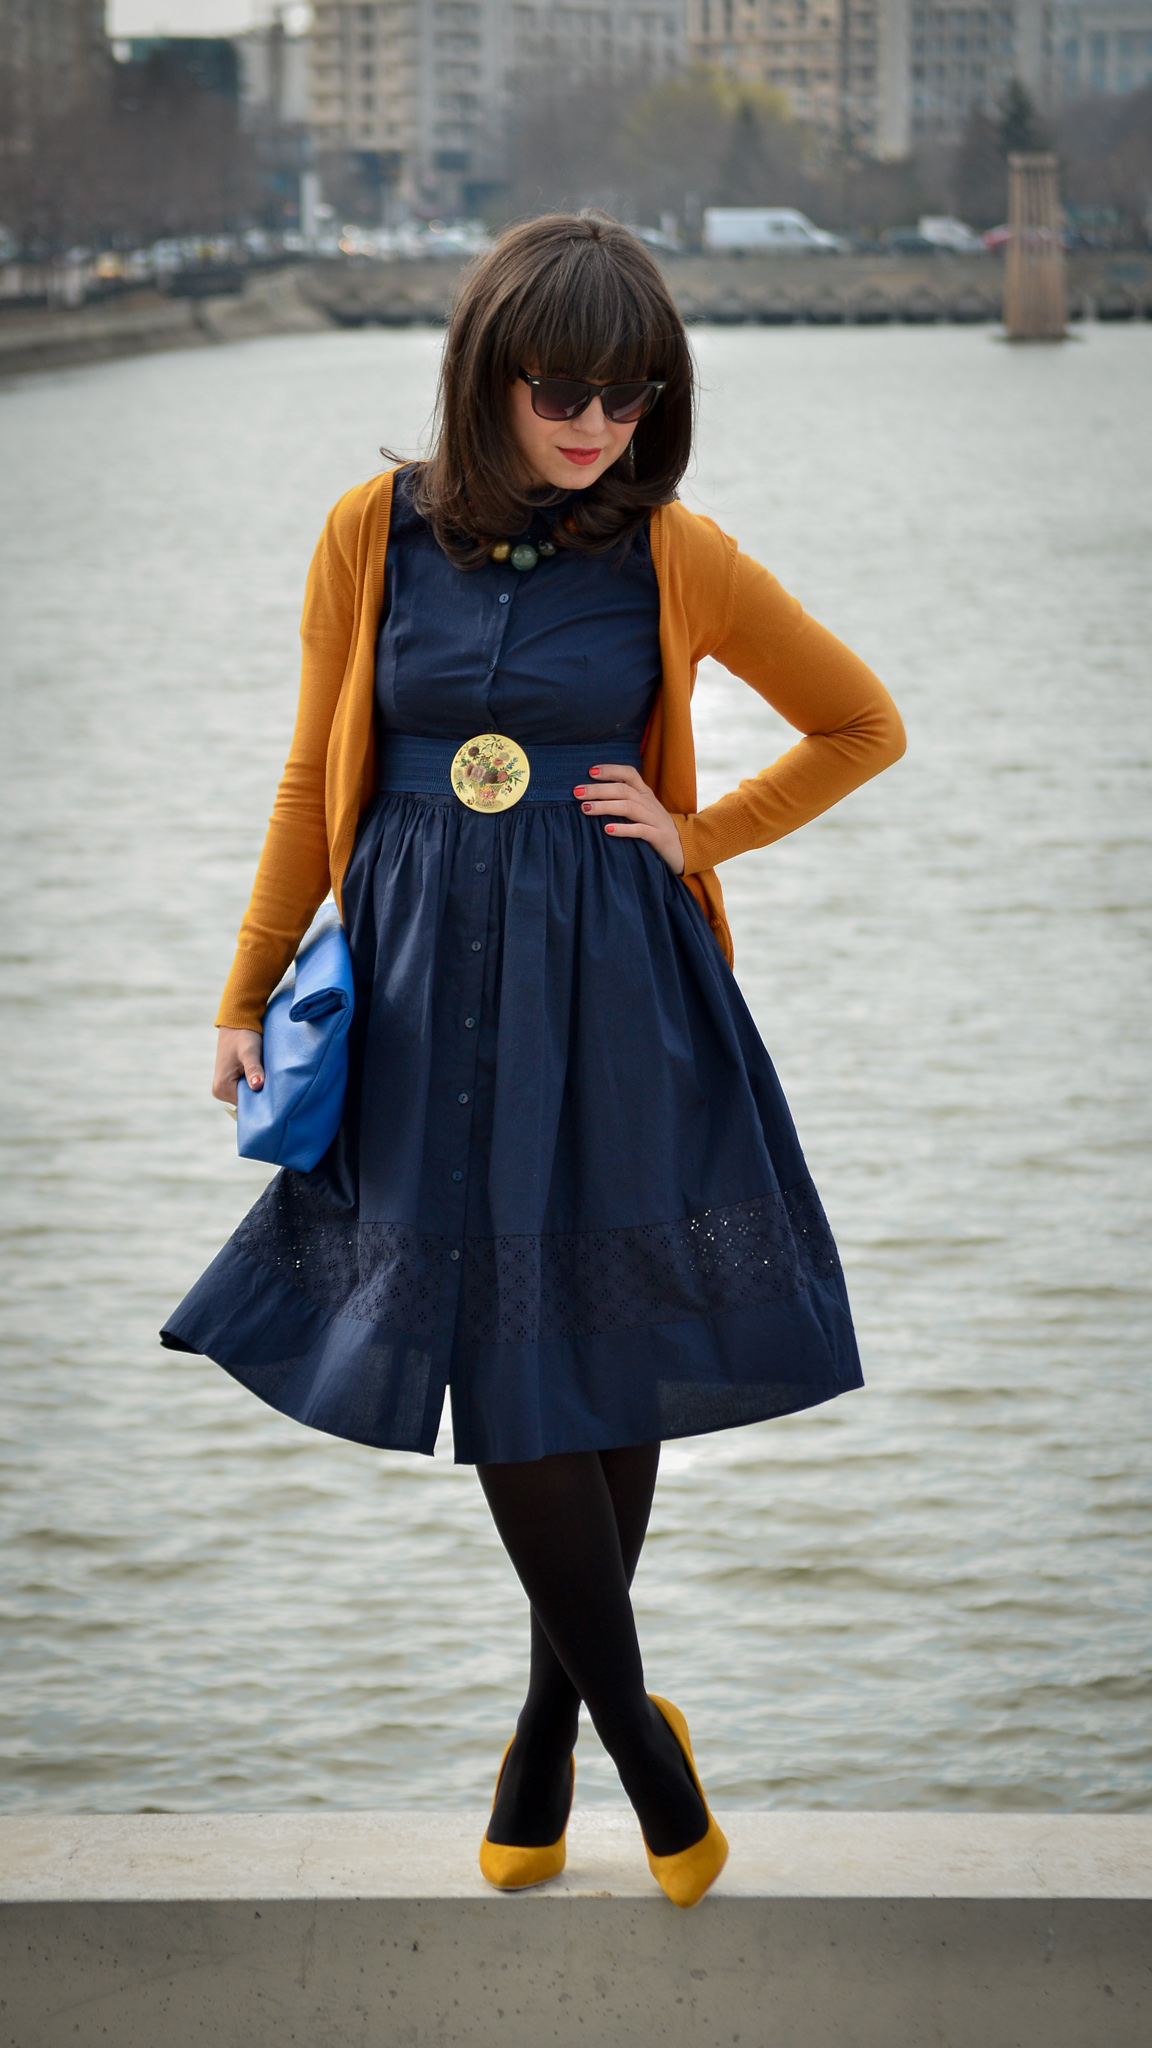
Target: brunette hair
x,y
568,294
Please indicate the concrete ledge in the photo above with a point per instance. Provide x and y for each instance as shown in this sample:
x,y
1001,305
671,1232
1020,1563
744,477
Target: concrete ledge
x,y
328,1928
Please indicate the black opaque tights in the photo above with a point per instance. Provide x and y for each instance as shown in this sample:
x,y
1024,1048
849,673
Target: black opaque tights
x,y
573,1526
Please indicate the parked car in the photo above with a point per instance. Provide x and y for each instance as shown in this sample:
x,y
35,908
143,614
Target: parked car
x,y
655,238
954,236
907,242
760,230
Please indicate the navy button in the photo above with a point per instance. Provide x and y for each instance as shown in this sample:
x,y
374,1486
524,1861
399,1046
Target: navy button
x,y
469,1023
463,1095
456,1173
481,867
477,946
504,599
453,1255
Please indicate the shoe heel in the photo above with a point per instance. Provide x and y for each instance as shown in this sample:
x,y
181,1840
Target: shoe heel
x,y
685,1876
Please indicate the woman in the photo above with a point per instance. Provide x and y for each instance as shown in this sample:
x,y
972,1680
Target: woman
x,y
566,1188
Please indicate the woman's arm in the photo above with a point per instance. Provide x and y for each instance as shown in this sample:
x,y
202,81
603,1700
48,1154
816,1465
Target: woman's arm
x,y
852,730
294,877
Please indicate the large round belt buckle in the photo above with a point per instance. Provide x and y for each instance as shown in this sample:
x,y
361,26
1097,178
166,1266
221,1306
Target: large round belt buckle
x,y
490,773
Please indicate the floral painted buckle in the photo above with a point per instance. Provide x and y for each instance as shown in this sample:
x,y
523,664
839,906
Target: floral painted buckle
x,y
490,773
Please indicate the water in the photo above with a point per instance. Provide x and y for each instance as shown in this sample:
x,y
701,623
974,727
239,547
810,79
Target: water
x,y
933,1593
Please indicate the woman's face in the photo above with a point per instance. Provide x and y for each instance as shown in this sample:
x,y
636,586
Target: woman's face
x,y
567,454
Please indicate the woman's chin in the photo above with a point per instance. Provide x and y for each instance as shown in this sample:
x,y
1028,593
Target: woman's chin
x,y
575,477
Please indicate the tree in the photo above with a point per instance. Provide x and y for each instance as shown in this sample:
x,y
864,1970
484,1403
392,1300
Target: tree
x,y
146,153
1105,146
1020,128
980,172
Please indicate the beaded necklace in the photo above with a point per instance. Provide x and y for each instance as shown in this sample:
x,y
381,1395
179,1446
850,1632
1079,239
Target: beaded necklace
x,y
524,555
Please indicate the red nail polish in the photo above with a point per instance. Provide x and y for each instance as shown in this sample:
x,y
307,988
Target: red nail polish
x,y
579,790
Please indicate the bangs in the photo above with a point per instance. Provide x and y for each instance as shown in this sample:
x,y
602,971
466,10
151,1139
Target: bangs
x,y
581,316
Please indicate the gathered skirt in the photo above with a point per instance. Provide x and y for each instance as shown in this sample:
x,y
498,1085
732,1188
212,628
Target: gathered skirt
x,y
567,1188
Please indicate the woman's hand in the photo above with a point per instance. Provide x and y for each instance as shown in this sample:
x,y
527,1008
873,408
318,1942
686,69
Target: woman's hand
x,y
238,1056
624,793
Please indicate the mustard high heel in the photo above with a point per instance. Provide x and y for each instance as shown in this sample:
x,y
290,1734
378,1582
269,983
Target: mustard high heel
x,y
686,1876
512,1868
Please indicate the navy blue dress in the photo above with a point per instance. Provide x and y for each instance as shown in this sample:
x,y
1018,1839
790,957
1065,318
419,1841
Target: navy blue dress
x,y
567,1187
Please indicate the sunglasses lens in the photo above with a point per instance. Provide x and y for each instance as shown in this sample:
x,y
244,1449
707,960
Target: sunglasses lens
x,y
559,398
624,403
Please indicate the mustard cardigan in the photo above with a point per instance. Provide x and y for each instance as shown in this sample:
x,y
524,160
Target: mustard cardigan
x,y
713,600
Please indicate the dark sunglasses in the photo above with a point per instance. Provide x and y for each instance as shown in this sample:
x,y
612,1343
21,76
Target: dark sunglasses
x,y
565,398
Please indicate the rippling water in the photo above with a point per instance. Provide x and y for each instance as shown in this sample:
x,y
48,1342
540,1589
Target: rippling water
x,y
930,1593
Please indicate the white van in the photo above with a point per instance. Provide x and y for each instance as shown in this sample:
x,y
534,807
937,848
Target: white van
x,y
777,230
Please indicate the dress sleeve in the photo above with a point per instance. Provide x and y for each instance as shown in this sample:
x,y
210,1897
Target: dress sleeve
x,y
293,876
852,730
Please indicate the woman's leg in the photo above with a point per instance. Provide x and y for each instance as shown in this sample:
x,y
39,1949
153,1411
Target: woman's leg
x,y
557,1522
534,1794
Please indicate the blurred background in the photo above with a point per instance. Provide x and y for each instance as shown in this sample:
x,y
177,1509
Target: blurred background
x,y
229,243
156,136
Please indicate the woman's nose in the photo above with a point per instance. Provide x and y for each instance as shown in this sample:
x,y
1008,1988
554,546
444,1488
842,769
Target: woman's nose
x,y
593,417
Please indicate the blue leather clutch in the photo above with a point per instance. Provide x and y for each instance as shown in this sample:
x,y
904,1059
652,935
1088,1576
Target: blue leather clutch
x,y
293,1119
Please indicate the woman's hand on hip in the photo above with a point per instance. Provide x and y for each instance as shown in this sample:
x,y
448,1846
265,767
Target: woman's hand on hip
x,y
623,793
239,1056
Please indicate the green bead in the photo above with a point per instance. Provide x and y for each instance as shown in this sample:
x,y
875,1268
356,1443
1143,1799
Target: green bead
x,y
523,556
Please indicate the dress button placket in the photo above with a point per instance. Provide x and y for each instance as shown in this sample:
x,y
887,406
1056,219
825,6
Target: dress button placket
x,y
474,920
470,985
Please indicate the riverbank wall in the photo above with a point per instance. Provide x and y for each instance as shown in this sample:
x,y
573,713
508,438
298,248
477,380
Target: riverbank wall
x,y
341,1930
769,291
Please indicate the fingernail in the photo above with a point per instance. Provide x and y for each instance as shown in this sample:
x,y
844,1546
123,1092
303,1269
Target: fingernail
x,y
585,807
579,790
609,828
594,771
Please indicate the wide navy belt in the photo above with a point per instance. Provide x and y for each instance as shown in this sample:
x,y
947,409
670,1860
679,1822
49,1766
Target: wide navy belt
x,y
491,772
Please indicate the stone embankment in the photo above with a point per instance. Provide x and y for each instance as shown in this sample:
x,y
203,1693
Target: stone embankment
x,y
771,291
139,323
826,1931
768,291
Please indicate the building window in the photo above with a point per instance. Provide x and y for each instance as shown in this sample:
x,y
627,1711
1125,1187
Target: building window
x,y
1098,62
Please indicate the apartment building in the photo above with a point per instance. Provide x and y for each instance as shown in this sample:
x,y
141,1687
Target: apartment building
x,y
880,75
1103,46
821,54
964,57
613,40
425,85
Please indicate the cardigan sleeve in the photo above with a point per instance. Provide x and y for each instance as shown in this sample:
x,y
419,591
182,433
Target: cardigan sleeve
x,y
293,876
852,730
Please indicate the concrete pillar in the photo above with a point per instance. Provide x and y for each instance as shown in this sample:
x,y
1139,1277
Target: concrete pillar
x,y
1034,304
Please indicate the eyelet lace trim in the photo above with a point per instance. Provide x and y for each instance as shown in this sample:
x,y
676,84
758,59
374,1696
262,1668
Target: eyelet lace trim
x,y
526,1290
